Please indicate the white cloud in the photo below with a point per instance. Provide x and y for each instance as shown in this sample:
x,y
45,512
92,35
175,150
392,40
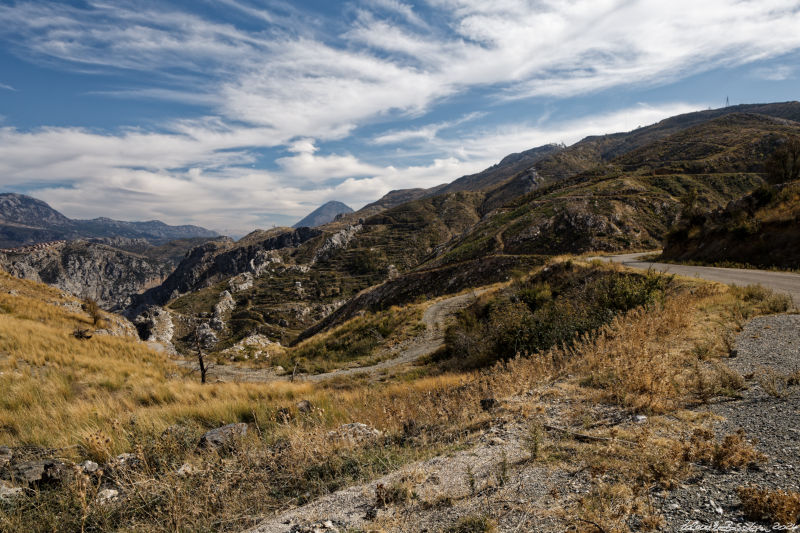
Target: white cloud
x,y
7,87
194,174
294,85
299,83
775,72
427,132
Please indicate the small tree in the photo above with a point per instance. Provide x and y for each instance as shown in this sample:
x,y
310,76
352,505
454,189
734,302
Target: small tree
x,y
198,339
783,165
94,311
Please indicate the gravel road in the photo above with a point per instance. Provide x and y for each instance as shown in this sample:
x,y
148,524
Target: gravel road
x,y
428,342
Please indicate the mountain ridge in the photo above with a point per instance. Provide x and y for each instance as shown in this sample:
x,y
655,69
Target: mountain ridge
x,y
27,220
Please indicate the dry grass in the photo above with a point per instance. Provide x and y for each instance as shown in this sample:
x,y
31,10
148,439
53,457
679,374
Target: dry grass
x,y
773,506
111,395
364,340
733,452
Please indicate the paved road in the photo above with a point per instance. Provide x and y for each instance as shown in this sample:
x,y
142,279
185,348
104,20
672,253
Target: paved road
x,y
779,281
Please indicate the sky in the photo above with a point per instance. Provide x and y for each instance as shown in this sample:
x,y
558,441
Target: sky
x,y
244,114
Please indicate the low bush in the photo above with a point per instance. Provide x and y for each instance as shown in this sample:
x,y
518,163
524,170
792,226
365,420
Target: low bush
x,y
773,506
553,307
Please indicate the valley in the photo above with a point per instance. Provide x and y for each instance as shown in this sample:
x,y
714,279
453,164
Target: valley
x,y
502,352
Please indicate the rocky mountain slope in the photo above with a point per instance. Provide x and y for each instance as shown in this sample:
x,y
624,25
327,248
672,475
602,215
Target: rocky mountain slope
x,y
324,214
108,275
613,192
759,229
25,220
631,202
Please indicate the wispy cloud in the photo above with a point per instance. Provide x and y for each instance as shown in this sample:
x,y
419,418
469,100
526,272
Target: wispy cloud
x,y
775,72
195,173
299,82
287,80
427,132
7,87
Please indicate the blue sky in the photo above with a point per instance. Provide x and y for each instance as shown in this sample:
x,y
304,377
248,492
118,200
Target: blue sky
x,y
237,114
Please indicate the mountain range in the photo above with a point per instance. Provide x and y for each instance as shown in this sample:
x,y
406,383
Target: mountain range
x,y
25,220
613,192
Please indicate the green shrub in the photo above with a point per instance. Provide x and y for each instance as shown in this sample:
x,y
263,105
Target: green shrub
x,y
552,308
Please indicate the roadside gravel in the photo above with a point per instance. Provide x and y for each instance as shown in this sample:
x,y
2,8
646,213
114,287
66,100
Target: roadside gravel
x,y
767,350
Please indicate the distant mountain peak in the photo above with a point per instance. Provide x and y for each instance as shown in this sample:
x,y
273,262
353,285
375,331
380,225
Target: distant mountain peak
x,y
324,214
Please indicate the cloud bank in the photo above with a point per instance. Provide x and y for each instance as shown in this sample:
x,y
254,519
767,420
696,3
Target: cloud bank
x,y
285,79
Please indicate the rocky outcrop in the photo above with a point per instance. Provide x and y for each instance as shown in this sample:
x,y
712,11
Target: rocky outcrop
x,y
338,240
155,325
107,275
216,261
256,347
222,309
222,437
240,283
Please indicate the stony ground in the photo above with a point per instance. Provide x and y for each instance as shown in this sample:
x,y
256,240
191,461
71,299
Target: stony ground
x,y
494,476
767,348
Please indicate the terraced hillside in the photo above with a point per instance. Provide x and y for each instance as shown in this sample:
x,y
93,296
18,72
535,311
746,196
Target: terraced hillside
x,y
613,192
631,202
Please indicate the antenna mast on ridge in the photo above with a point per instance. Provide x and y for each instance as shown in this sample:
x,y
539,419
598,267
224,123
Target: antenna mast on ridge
x,y
727,101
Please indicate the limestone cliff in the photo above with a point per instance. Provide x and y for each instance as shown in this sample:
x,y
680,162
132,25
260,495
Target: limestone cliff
x,y
87,270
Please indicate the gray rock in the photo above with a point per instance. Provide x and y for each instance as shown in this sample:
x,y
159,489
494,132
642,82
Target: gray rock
x,y
107,495
39,473
356,432
338,240
124,461
222,437
207,337
9,492
304,406
89,467
110,276
155,326
226,304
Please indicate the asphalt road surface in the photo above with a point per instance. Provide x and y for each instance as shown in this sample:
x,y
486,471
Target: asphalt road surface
x,y
785,282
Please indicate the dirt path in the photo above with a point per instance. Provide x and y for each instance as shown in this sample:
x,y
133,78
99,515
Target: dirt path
x,y
785,282
446,487
434,318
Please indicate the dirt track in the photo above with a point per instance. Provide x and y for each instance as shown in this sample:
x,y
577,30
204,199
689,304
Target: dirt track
x,y
428,342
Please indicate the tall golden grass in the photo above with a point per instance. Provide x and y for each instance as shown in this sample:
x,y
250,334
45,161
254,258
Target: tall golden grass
x,y
114,394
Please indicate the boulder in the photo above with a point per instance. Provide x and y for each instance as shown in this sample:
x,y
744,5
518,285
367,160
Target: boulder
x,y
89,467
304,406
107,495
41,473
123,462
222,437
